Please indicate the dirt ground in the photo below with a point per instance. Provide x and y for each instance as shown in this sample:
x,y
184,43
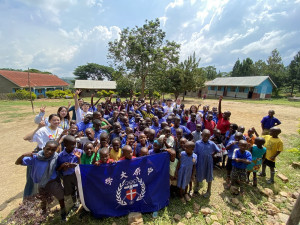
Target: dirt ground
x,y
13,177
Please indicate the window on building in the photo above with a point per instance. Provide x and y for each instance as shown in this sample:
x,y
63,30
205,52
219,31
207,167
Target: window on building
x,y
39,91
219,88
241,89
233,88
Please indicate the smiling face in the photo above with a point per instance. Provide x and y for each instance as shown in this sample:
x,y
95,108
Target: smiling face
x,y
89,149
205,135
49,150
104,155
116,145
89,132
63,112
54,121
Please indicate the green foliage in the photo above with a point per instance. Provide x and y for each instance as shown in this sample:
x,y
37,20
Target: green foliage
x,y
244,68
210,72
21,95
142,51
293,76
93,71
105,93
59,93
37,71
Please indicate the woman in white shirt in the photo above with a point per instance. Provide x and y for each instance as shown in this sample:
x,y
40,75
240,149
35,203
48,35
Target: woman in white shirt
x,y
45,133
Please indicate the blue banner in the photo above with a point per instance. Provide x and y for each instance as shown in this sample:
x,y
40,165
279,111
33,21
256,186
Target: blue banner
x,y
137,185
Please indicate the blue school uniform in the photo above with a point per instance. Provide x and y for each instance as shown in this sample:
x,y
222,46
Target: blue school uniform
x,y
185,130
230,151
38,168
82,126
157,129
186,169
204,166
98,133
238,155
114,135
138,148
269,122
161,120
68,157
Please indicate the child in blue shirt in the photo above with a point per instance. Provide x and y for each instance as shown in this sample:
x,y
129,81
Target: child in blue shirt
x,y
241,158
67,160
44,174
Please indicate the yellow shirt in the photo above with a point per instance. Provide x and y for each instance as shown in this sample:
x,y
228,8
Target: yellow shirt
x,y
273,145
115,155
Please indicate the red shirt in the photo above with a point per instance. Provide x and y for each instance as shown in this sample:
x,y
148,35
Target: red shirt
x,y
223,125
123,158
108,161
210,125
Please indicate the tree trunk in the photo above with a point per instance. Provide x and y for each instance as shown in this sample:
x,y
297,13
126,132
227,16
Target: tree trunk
x,y
292,91
143,87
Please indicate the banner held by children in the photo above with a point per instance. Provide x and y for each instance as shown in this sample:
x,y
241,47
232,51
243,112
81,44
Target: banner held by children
x,y
137,185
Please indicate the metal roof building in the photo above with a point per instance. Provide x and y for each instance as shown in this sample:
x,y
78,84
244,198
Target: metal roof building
x,y
95,84
251,87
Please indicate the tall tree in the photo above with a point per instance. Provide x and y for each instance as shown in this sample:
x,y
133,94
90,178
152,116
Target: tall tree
x,y
293,78
260,68
93,71
275,69
210,72
246,68
236,70
140,51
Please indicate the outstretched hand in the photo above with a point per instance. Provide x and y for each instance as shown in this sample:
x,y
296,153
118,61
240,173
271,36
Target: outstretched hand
x,y
42,109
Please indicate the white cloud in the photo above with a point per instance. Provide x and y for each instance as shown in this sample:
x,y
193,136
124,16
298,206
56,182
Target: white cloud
x,y
175,3
163,20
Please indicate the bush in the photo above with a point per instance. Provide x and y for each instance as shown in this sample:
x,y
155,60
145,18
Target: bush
x,y
59,94
156,95
21,95
104,93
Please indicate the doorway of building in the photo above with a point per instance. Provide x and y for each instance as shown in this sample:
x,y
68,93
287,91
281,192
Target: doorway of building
x,y
225,91
250,93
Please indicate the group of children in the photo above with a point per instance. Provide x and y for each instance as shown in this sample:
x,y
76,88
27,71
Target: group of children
x,y
107,132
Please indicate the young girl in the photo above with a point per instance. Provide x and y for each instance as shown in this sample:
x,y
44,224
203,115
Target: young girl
x,y
46,133
258,152
186,170
115,150
62,112
204,150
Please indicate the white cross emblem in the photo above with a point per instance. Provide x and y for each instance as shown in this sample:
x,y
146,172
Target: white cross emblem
x,y
108,180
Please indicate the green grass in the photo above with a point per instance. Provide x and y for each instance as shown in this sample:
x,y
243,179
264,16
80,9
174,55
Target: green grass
x,y
279,101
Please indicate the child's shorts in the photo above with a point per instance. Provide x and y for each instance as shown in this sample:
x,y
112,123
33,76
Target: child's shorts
x,y
53,187
238,174
229,164
269,163
70,182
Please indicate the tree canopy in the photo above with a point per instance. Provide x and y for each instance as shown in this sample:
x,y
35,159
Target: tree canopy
x,y
141,51
93,71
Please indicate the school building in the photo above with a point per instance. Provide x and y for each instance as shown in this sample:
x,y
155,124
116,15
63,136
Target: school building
x,y
90,86
11,81
252,87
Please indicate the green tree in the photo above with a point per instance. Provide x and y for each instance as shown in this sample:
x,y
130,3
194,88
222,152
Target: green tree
x,y
93,71
37,71
142,51
210,72
236,70
260,68
293,78
275,69
246,68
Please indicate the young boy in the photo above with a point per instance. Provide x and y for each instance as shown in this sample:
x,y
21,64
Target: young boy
x,y
44,173
192,124
104,157
268,122
67,160
223,119
240,160
127,153
197,133
274,147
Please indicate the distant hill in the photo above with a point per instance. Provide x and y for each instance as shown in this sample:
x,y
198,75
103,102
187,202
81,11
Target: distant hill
x,y
69,80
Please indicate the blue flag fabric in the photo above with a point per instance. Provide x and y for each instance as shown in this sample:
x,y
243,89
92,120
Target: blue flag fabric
x,y
137,185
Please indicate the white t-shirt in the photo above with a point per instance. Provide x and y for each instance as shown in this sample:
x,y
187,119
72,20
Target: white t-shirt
x,y
168,110
45,134
80,114
170,141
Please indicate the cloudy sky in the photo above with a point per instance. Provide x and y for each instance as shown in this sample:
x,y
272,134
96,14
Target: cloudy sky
x,y
59,35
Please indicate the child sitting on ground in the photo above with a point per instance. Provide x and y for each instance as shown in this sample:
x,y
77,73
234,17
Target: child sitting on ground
x,y
258,152
44,174
205,149
241,158
186,170
274,146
